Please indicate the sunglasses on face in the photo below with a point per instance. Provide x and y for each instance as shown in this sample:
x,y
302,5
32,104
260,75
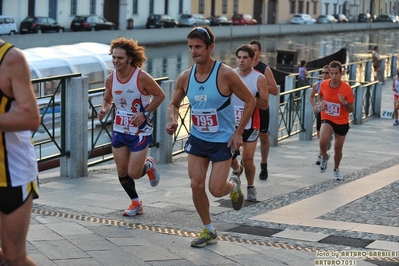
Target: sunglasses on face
x,y
202,30
325,72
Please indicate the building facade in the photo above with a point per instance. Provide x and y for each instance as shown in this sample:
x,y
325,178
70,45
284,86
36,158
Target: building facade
x,y
119,11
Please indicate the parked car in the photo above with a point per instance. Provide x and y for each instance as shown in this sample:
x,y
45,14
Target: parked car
x,y
386,18
91,23
364,17
32,24
192,20
243,19
341,18
219,21
302,19
160,21
324,19
8,25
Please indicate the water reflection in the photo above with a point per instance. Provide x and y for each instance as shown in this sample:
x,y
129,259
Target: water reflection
x,y
170,61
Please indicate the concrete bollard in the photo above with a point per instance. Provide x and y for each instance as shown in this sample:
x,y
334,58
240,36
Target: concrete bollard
x,y
163,153
76,137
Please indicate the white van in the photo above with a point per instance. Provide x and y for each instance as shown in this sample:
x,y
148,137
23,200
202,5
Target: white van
x,y
8,25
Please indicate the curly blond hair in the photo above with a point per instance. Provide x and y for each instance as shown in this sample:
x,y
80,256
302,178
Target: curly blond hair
x,y
132,48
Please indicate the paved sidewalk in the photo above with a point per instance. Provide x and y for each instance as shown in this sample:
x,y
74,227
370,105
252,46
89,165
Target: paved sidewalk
x,y
301,215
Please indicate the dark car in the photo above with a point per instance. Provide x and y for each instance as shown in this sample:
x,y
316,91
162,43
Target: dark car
x,y
386,18
160,21
243,19
219,21
91,23
39,25
364,17
341,18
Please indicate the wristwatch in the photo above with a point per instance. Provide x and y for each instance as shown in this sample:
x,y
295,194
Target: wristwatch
x,y
146,114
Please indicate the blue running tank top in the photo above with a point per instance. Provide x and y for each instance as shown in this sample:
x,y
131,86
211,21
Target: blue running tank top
x,y
212,114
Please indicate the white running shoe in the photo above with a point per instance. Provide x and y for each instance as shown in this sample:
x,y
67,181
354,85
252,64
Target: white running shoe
x,y
337,175
323,164
136,208
251,194
319,159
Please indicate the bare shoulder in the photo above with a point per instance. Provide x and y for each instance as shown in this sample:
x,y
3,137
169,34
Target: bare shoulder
x,y
226,70
144,75
183,77
14,57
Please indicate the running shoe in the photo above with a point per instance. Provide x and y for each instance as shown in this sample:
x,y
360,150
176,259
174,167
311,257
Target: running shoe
x,y
263,175
319,159
251,194
136,208
153,173
337,175
396,123
240,171
329,142
323,164
236,196
206,237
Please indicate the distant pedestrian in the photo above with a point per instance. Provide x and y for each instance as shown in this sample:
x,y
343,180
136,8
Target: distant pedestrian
x,y
209,86
19,115
302,75
395,88
316,107
336,99
135,95
264,114
256,83
376,63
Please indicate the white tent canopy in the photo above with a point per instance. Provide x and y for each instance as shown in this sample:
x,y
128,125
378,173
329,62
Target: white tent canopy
x,y
91,59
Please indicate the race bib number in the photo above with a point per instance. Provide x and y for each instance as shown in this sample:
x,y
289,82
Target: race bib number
x,y
123,122
205,120
332,109
238,110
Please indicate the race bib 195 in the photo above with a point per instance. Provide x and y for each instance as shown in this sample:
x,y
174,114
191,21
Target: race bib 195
x,y
205,120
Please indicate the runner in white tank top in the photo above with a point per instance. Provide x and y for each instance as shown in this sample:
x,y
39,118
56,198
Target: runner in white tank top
x,y
135,95
257,84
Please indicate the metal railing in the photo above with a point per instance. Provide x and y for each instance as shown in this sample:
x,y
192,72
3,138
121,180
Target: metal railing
x,y
50,93
49,139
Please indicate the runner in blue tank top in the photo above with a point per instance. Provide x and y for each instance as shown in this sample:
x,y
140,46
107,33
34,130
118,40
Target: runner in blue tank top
x,y
209,86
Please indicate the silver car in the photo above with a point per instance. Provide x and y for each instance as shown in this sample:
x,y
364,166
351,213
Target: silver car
x,y
192,20
302,19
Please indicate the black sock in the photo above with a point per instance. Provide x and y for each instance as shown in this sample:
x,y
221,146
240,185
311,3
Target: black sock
x,y
250,186
263,165
129,186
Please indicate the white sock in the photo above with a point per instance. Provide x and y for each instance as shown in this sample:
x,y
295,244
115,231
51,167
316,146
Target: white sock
x,y
210,227
236,170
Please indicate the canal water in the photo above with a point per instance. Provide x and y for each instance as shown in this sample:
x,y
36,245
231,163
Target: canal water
x,y
170,61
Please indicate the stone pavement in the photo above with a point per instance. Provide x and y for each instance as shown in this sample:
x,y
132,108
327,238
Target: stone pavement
x,y
302,217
